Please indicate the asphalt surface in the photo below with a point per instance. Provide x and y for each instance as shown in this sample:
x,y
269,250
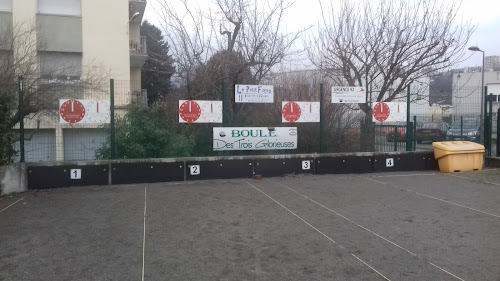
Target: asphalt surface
x,y
391,226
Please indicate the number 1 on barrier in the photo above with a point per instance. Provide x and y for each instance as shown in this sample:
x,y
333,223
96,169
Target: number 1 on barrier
x,y
76,174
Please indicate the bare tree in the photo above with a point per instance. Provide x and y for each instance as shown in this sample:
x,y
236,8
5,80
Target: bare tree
x,y
247,28
389,45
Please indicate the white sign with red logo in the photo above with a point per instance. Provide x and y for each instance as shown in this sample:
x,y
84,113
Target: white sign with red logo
x,y
346,94
200,111
389,112
300,112
84,112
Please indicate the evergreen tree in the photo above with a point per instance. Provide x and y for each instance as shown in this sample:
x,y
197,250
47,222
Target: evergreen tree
x,y
159,68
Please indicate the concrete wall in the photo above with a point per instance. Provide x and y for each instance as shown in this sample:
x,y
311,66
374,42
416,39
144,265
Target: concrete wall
x,y
13,178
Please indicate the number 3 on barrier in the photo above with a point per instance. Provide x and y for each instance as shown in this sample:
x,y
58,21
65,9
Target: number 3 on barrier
x,y
194,170
306,165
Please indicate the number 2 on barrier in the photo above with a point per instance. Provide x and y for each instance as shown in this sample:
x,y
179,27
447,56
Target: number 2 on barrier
x,y
194,170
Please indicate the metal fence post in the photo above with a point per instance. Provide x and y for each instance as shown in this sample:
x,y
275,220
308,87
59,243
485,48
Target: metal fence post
x,y
498,133
483,122
112,121
461,128
490,122
396,138
224,104
21,117
408,124
321,117
414,132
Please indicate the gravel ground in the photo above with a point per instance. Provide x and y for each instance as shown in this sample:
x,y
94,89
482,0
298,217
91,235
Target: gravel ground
x,y
390,226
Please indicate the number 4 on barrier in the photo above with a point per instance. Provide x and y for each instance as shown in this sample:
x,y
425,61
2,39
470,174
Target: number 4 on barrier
x,y
75,174
389,162
194,170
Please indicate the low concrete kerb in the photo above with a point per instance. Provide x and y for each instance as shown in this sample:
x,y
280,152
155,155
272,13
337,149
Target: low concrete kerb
x,y
13,178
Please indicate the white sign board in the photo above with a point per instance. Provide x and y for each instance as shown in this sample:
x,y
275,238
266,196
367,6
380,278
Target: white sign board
x,y
300,112
84,112
75,174
389,162
306,165
194,170
200,111
389,112
253,93
346,94
254,138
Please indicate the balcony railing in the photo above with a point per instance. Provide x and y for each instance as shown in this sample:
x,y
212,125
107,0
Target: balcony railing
x,y
139,47
140,97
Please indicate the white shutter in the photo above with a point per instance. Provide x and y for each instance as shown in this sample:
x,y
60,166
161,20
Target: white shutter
x,y
60,7
6,5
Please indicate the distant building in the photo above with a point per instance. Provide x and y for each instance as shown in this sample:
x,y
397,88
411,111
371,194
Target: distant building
x,y
492,63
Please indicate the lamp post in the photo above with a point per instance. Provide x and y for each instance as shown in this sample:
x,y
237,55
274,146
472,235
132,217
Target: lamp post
x,y
481,124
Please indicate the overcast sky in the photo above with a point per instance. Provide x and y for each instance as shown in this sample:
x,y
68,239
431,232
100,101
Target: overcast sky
x,y
485,13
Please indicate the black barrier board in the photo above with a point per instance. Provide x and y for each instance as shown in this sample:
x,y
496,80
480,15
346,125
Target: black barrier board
x,y
66,176
343,164
430,162
221,169
400,162
125,173
281,167
48,177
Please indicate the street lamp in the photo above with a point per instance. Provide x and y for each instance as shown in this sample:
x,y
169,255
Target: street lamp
x,y
481,124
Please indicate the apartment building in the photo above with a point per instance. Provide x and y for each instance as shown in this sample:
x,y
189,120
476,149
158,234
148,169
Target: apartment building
x,y
75,39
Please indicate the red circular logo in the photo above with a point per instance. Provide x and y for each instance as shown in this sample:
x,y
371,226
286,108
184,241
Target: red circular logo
x,y
190,111
381,111
291,112
72,111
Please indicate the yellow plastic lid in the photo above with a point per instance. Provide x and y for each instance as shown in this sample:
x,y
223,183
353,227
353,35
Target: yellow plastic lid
x,y
458,146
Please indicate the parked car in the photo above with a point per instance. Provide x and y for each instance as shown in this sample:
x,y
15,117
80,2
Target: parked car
x,y
469,131
401,136
433,131
391,136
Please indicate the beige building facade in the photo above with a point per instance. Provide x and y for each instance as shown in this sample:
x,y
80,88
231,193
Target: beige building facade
x,y
75,40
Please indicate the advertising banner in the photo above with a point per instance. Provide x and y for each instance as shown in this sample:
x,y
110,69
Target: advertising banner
x,y
84,112
389,112
300,112
254,138
346,94
200,111
253,93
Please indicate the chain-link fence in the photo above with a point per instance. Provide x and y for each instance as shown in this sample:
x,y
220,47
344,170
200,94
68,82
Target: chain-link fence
x,y
82,124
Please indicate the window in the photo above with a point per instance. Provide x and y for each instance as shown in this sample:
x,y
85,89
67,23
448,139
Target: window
x,y
5,5
60,7
60,65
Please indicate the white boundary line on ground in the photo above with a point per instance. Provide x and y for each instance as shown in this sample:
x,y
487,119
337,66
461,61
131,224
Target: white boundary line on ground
x,y
22,198
449,202
368,230
317,230
144,234
406,175
455,176
435,198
